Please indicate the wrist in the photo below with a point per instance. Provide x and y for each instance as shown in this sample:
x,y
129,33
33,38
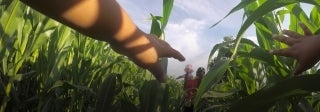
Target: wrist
x,y
137,47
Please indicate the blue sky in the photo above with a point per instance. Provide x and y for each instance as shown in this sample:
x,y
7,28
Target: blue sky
x,y
188,28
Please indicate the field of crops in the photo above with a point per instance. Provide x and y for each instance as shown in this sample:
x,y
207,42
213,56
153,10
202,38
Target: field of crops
x,y
46,66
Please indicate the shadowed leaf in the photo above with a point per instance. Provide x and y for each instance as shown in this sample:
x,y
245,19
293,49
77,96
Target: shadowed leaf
x,y
294,86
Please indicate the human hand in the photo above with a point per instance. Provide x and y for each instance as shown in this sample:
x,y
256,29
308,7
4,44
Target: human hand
x,y
147,55
305,48
163,49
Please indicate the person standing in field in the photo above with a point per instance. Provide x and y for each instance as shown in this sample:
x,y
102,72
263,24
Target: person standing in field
x,y
106,20
191,85
199,74
188,72
188,77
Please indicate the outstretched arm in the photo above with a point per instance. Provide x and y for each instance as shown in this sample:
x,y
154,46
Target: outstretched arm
x,y
105,20
305,48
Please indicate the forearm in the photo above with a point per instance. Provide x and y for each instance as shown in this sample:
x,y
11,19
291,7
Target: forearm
x,y
103,20
100,19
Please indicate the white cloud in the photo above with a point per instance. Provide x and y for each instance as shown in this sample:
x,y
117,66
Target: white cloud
x,y
187,36
184,35
205,9
188,28
189,32
211,11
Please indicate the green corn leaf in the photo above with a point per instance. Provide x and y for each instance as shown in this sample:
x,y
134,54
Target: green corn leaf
x,y
240,6
262,55
280,16
164,64
67,85
212,77
106,94
213,50
150,96
156,29
294,23
11,18
164,107
248,42
26,32
64,37
317,31
167,8
216,94
264,33
267,7
155,26
37,43
294,86
298,13
315,16
19,59
17,77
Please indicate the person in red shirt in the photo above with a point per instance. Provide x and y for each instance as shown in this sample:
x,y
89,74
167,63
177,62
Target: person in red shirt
x,y
191,85
188,75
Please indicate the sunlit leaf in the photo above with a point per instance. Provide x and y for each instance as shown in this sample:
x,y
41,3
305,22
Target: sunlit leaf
x,y
150,96
265,8
167,8
212,77
240,6
216,94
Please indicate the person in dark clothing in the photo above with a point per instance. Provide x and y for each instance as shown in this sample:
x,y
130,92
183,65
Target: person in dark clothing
x,y
199,74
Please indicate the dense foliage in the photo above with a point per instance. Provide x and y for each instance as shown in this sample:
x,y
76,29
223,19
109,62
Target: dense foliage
x,y
46,66
245,77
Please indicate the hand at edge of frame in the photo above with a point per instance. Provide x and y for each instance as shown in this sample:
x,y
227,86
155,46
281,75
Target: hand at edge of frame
x,y
305,48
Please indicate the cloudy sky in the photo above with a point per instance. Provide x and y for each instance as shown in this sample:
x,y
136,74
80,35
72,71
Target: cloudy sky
x,y
188,28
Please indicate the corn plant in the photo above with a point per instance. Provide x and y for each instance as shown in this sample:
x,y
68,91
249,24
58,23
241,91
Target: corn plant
x,y
254,79
46,66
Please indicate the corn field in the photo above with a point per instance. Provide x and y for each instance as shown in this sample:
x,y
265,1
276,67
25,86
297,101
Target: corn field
x,y
46,66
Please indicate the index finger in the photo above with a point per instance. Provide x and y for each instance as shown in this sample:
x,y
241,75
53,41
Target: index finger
x,y
176,55
282,52
292,34
305,29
